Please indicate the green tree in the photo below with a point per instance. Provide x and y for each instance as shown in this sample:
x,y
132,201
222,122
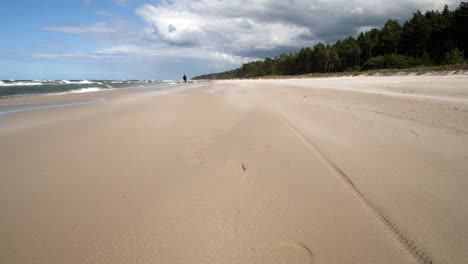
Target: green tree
x,y
334,59
368,42
461,26
390,36
416,35
455,56
349,52
304,60
320,57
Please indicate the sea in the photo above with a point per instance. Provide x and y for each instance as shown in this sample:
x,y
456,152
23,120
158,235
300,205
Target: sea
x,y
13,88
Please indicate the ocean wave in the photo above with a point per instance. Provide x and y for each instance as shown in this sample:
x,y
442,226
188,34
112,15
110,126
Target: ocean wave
x,y
169,81
83,90
78,82
87,90
57,87
19,83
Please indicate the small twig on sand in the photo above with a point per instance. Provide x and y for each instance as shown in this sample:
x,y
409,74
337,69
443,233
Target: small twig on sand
x,y
243,167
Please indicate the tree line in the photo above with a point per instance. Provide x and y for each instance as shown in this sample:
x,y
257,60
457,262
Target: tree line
x,y
432,38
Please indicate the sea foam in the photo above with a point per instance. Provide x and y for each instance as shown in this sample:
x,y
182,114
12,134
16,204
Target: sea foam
x,y
19,83
83,90
78,82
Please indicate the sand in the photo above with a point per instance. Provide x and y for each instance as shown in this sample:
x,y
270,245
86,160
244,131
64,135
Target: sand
x,y
335,170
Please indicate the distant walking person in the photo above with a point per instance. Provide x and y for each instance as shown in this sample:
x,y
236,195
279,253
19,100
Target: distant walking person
x,y
185,78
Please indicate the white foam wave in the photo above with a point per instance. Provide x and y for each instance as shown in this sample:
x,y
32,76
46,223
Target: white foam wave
x,y
170,81
78,82
87,90
83,90
20,83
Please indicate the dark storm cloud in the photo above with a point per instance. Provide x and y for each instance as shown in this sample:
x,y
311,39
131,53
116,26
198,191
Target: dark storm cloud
x,y
263,27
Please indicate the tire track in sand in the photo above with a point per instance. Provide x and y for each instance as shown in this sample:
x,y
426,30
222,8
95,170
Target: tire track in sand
x,y
408,244
433,125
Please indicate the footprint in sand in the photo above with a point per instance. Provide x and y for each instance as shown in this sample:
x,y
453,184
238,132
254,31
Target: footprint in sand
x,y
227,220
294,252
196,151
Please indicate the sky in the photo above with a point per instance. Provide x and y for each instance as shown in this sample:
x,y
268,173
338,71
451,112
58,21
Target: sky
x,y
164,39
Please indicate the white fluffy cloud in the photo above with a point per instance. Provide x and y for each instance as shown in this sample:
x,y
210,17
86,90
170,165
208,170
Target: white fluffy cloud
x,y
226,33
194,25
263,27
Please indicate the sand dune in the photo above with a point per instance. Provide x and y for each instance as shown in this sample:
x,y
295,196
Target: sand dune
x,y
337,170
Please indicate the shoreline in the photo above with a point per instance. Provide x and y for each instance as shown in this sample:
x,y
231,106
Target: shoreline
x,y
25,88
10,109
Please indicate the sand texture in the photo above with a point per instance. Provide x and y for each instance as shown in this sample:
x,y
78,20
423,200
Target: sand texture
x,y
335,170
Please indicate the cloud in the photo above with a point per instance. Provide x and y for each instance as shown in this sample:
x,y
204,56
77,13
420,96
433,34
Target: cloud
x,y
151,53
226,33
98,28
113,30
193,25
268,26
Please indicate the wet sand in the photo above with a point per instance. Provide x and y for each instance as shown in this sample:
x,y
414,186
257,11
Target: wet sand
x,y
335,170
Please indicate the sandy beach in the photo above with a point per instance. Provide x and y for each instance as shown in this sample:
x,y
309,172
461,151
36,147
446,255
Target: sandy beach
x,y
332,170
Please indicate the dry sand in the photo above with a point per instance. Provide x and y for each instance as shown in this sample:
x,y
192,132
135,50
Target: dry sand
x,y
336,170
